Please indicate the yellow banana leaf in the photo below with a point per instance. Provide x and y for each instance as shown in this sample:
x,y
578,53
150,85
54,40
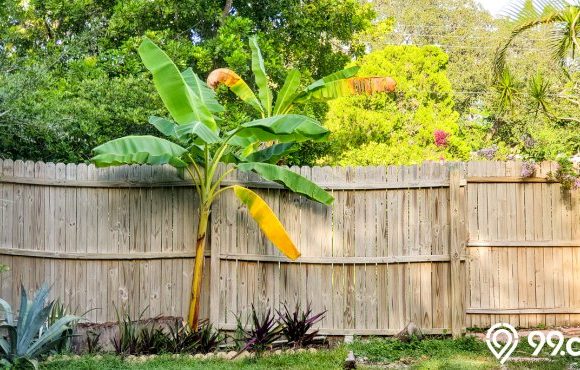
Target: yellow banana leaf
x,y
235,83
350,86
267,220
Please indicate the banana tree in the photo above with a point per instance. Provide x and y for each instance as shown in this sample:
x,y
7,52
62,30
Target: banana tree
x,y
335,85
197,145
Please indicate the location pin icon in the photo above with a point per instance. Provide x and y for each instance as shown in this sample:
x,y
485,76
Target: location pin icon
x,y
502,350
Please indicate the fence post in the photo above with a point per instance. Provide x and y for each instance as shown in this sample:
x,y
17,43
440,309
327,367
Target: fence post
x,y
454,252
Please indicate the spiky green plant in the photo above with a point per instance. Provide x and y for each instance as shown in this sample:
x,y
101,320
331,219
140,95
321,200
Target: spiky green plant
x,y
28,338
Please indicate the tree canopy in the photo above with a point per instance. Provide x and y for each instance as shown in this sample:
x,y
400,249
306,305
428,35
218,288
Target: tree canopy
x,y
402,127
70,76
71,79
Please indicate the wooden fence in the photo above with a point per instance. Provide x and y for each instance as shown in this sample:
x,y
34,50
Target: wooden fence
x,y
443,245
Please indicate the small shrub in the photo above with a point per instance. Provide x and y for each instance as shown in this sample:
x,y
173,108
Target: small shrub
x,y
298,323
528,169
126,342
488,153
181,338
152,340
31,336
208,339
262,334
441,138
93,345
566,174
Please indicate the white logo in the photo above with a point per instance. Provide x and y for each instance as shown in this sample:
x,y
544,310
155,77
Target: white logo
x,y
502,351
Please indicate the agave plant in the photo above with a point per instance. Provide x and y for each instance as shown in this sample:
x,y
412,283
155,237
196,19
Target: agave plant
x,y
198,145
29,337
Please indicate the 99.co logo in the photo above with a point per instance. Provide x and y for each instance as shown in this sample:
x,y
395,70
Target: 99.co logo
x,y
502,339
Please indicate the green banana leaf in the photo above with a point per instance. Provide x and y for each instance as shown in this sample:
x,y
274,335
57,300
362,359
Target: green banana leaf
x,y
199,130
282,128
199,88
138,150
288,92
271,154
339,75
291,180
165,126
183,105
260,76
285,124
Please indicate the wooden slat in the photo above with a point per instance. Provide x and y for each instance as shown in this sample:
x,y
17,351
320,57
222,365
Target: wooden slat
x,y
454,252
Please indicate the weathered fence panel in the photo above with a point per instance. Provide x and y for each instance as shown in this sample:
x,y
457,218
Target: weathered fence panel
x,y
376,259
99,243
524,248
445,245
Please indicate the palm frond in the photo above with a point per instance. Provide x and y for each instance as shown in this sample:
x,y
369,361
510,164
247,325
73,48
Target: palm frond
x,y
507,88
501,53
538,90
533,14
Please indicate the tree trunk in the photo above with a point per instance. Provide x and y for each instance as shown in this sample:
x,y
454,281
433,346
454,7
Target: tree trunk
x,y
226,11
193,317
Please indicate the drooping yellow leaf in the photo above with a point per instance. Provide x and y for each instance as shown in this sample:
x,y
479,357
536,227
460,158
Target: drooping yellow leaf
x,y
236,84
352,86
268,222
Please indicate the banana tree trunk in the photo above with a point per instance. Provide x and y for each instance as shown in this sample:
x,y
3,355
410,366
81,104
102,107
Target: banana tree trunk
x,y
193,317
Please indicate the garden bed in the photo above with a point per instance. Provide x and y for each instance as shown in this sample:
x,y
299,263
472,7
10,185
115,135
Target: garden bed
x,y
373,353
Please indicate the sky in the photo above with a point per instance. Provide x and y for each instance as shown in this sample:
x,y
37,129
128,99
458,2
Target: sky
x,y
498,7
495,7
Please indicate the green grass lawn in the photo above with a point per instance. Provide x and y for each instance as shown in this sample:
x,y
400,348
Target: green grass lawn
x,y
465,353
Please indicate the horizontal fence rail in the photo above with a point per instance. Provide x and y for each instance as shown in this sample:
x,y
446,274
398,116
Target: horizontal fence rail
x,y
445,245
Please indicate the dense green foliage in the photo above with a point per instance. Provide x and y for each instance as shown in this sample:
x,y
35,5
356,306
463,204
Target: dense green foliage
x,y
398,128
470,36
70,76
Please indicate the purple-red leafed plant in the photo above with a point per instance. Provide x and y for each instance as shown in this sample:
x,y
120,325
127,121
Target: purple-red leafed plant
x,y
208,338
264,331
297,324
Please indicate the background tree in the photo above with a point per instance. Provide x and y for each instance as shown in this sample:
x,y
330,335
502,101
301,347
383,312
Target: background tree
x,y
471,36
401,127
70,76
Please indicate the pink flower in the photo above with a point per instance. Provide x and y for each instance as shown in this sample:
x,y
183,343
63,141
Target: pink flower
x,y
577,183
440,137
